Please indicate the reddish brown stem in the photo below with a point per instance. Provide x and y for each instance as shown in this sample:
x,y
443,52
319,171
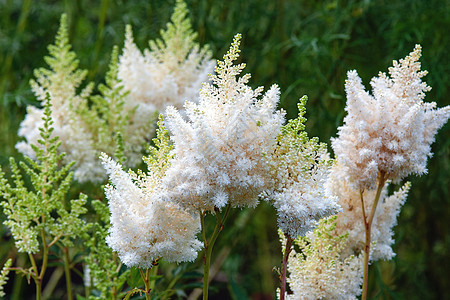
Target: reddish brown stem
x,y
287,251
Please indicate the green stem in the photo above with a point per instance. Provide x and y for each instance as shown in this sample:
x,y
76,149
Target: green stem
x,y
368,227
153,273
145,278
67,273
39,276
209,245
36,277
38,289
287,251
44,256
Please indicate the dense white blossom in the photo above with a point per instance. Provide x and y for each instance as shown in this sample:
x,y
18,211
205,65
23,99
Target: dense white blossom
x,y
136,88
219,148
300,168
168,73
319,271
389,132
143,227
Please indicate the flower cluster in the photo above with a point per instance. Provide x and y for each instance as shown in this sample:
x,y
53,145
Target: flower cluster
x,y
144,227
226,145
59,85
385,137
319,271
137,86
168,73
219,150
300,167
391,131
231,149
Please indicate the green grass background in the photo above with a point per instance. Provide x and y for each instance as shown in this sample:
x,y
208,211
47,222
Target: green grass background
x,y
306,47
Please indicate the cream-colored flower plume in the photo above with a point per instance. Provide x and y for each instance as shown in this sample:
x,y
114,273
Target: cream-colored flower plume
x,y
60,85
300,167
389,132
145,228
168,73
219,148
320,271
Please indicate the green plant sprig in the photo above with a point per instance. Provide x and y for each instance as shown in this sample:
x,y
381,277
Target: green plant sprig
x,y
40,217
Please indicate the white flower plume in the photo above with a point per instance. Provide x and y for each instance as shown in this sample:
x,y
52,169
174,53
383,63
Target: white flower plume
x,y
168,73
319,271
145,228
391,131
219,148
300,168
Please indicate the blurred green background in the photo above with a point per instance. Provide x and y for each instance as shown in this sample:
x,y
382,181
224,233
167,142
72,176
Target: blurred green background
x,y
306,47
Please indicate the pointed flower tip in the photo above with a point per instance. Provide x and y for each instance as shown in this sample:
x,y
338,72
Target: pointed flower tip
x,y
418,49
302,102
128,32
63,19
233,52
103,156
237,38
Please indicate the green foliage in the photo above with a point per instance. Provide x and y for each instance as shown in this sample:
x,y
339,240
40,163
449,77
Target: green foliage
x,y
160,154
4,276
41,217
296,150
178,40
304,46
43,210
326,244
63,77
106,118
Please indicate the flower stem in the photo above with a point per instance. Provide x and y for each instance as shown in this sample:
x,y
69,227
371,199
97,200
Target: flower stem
x,y
220,220
145,278
67,273
368,227
36,277
287,251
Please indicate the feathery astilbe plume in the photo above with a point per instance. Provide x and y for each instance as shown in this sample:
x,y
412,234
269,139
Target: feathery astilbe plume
x,y
330,264
143,227
61,82
319,271
168,73
385,137
391,131
300,167
219,148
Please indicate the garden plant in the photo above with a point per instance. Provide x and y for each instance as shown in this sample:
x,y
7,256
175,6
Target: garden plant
x,y
164,173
